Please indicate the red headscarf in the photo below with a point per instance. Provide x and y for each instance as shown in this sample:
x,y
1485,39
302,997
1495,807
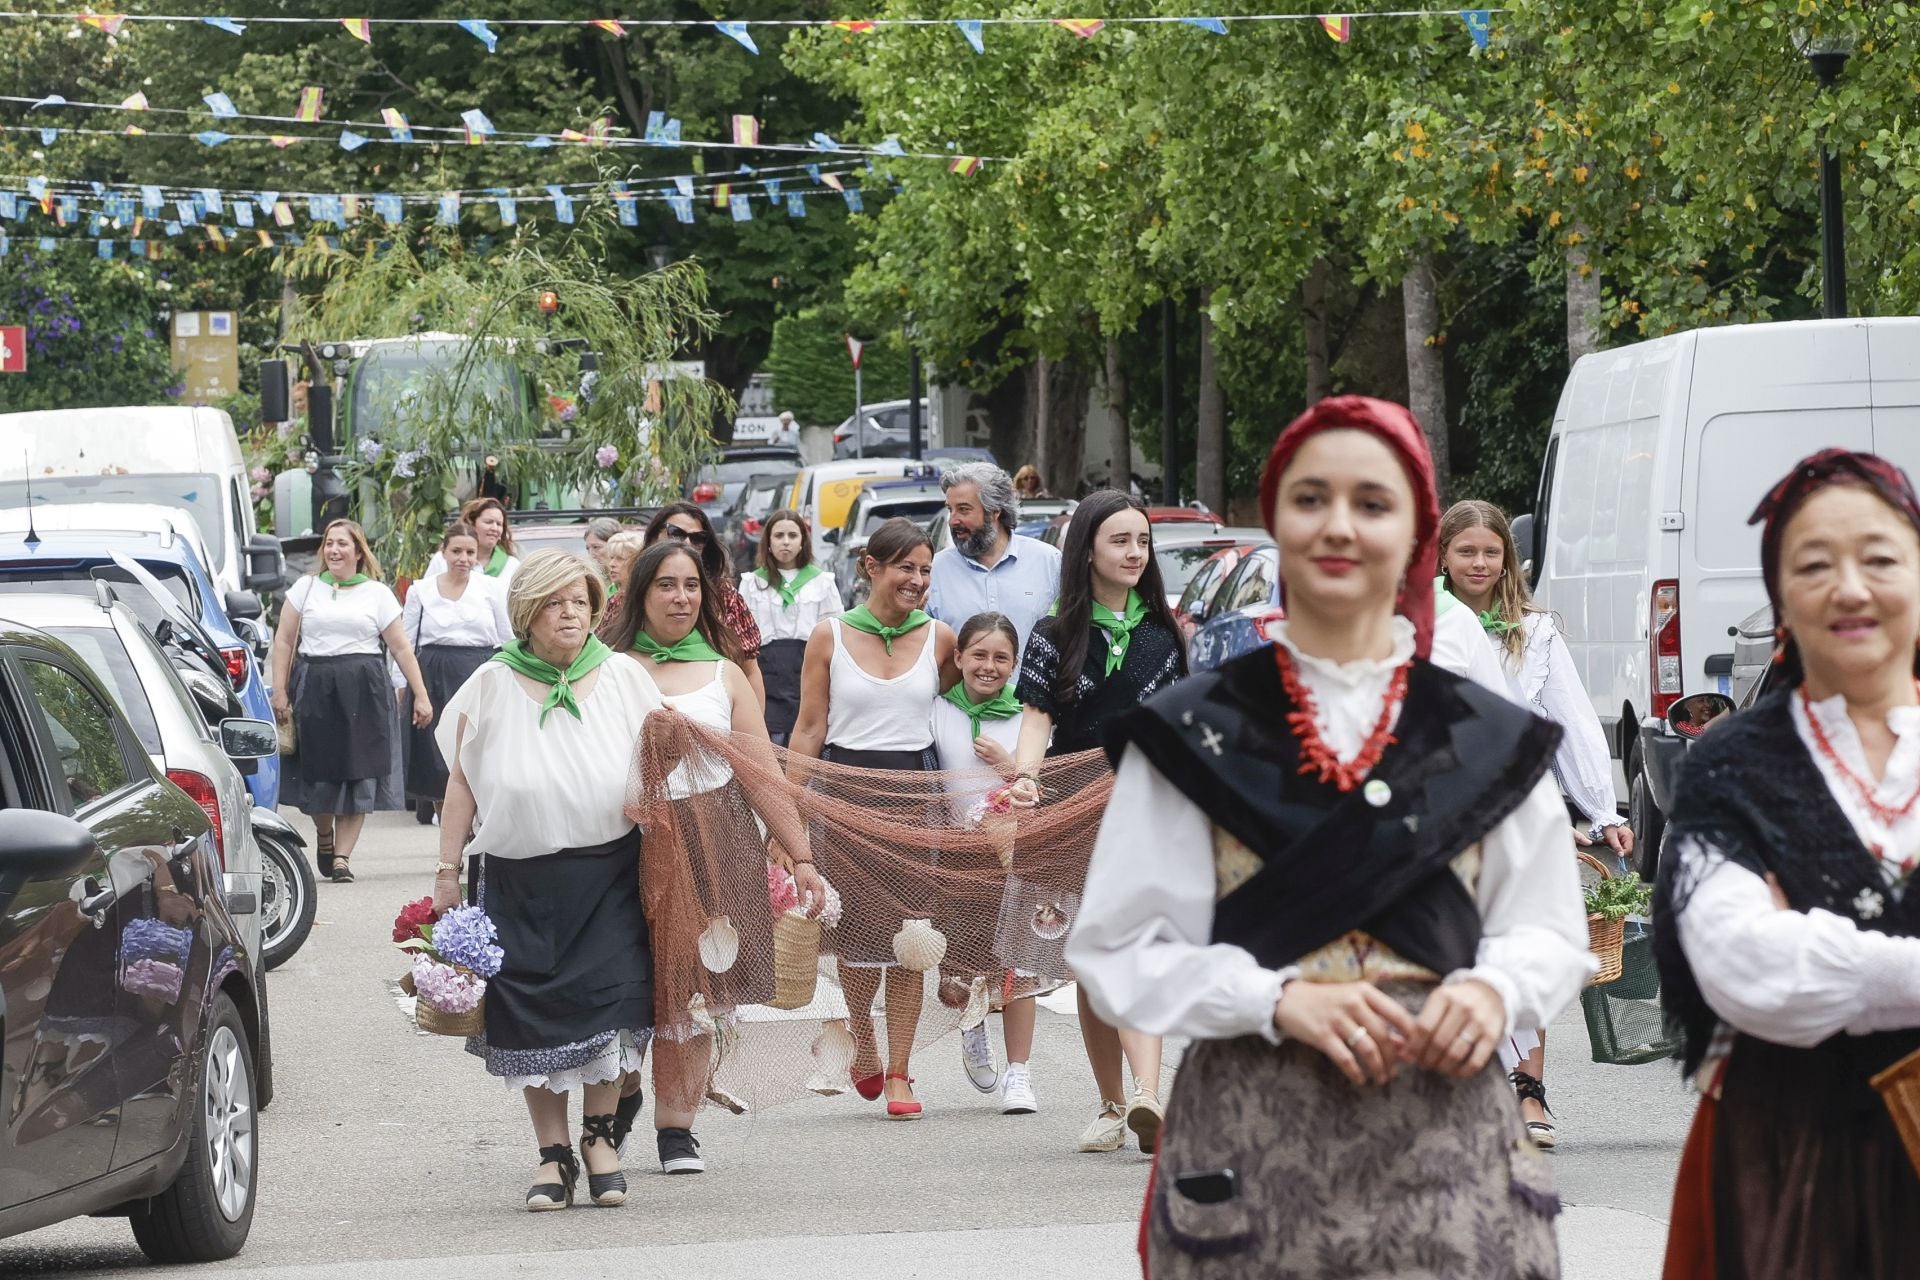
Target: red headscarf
x,y
1395,427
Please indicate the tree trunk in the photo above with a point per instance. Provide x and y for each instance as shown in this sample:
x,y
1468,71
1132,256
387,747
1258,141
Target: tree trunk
x,y
1583,299
1065,441
1043,417
1313,320
1119,440
1426,365
1210,462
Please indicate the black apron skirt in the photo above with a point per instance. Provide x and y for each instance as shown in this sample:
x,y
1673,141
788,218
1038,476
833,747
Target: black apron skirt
x,y
443,669
780,663
579,961
343,717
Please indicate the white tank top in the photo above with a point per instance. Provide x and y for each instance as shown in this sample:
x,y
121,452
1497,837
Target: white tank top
x,y
709,705
866,713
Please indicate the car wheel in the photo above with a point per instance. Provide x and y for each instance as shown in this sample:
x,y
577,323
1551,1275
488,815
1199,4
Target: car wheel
x,y
287,900
1648,824
206,1214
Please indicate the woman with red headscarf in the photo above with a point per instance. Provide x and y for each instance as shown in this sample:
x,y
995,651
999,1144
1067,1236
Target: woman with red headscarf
x,y
1785,925
1303,870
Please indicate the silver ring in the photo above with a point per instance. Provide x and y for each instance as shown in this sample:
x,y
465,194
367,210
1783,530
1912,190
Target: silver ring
x,y
1354,1039
1466,1038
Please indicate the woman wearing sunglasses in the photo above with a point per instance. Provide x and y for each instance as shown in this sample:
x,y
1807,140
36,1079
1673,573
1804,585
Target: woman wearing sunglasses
x,y
686,523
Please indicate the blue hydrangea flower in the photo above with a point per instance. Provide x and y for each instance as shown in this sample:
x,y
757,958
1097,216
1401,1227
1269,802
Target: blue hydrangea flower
x,y
465,936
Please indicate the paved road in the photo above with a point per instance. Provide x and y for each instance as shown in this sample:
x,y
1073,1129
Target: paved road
x,y
386,1146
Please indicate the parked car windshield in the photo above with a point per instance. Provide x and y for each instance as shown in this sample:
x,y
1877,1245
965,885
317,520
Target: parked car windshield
x,y
100,648
197,492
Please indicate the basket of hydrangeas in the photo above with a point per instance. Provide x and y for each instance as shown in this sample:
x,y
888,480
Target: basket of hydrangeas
x,y
453,956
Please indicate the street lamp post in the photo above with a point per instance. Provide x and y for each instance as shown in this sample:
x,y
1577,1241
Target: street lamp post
x,y
1828,58
916,438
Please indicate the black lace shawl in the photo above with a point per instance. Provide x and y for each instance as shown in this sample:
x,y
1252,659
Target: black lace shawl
x,y
1751,794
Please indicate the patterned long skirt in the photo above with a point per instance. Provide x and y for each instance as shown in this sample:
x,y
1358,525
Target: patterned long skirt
x,y
1425,1178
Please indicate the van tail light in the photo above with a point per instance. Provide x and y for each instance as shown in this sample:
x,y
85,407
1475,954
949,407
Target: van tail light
x,y
750,525
706,492
236,660
200,789
1664,646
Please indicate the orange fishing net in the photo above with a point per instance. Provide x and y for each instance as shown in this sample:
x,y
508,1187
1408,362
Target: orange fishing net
x,y
944,896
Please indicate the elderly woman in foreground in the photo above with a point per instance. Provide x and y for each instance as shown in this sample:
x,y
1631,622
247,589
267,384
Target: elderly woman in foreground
x,y
537,746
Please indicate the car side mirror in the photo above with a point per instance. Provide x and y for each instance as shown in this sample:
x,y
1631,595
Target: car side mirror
x,y
243,604
210,695
1694,714
266,564
243,739
37,845
1522,530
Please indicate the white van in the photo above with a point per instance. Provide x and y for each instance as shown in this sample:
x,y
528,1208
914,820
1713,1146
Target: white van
x,y
165,455
1659,453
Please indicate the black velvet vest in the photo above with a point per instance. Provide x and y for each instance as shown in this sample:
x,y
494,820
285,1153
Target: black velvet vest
x,y
1371,859
1750,790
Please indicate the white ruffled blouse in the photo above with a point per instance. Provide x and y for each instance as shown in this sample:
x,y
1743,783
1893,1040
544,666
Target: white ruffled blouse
x,y
1141,945
1543,678
1797,977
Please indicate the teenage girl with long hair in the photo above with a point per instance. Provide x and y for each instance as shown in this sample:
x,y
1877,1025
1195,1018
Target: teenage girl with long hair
x,y
788,595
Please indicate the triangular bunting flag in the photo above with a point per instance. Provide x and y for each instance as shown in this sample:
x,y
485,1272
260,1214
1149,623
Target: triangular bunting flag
x,y
396,124
283,213
509,211
266,239
266,200
243,213
1214,25
479,30
856,27
609,26
1339,28
351,141
1085,28
221,106
360,29
232,26
109,23
683,184
738,30
311,98
211,137
853,200
662,131
134,131
1479,25
210,198
970,28
964,165
138,102
889,147
746,131
478,127
821,142
283,140
562,204
832,180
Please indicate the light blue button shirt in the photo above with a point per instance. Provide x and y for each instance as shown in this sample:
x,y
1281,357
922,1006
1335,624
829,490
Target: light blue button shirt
x,y
1022,584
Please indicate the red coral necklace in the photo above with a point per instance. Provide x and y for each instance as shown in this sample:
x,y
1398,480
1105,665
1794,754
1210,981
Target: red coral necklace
x,y
1316,757
1885,813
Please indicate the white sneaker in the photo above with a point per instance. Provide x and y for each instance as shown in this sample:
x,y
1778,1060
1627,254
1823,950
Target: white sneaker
x,y
976,1055
1108,1132
1016,1091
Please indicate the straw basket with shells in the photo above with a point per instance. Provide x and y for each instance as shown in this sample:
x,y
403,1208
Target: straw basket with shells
x,y
1605,935
796,960
919,946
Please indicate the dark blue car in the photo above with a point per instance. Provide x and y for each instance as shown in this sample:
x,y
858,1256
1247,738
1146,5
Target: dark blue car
x,y
1237,617
60,554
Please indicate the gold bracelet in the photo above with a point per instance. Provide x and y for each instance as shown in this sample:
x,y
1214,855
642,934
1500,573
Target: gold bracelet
x,y
447,866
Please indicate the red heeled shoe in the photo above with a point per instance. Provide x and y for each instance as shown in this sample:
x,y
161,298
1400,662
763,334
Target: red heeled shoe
x,y
868,1087
902,1110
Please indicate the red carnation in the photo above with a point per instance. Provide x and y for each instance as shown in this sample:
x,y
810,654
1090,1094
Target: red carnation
x,y
412,919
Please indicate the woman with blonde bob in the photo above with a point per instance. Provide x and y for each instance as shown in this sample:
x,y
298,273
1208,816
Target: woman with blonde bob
x,y
330,682
538,744
1481,568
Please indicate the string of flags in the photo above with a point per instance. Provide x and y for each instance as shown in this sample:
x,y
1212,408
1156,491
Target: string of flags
x,y
475,129
1339,27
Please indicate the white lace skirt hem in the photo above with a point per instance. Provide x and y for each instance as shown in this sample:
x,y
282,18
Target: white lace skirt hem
x,y
619,1057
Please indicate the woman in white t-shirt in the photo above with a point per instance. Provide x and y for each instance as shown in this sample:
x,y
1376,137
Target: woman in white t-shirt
x,y
976,730
487,517
455,621
788,595
330,681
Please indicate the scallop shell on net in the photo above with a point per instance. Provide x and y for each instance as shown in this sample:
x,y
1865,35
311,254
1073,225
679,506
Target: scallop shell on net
x,y
1050,922
919,946
833,1052
719,945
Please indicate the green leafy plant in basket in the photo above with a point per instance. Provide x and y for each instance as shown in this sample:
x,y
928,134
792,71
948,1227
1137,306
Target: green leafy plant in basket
x,y
1618,897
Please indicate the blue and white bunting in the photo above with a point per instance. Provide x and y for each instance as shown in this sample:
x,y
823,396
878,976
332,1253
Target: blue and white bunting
x,y
738,30
971,29
221,106
232,26
479,30
1214,25
351,141
1479,25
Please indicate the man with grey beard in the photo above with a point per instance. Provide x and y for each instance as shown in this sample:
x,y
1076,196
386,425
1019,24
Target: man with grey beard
x,y
989,568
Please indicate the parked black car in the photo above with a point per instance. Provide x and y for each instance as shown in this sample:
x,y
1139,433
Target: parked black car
x,y
130,1065
739,528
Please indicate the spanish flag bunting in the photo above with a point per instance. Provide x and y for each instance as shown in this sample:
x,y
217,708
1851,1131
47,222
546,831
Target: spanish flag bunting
x,y
214,234
1085,28
746,131
282,141
266,240
360,29
965,166
720,194
106,22
600,133
855,27
134,131
283,213
609,26
572,135
1341,28
138,102
309,109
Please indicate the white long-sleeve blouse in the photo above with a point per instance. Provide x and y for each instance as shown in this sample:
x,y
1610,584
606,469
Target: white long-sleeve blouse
x,y
1141,944
1543,678
1797,977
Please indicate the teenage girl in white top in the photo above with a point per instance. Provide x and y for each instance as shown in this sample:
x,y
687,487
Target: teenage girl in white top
x,y
788,596
455,621
488,519
866,699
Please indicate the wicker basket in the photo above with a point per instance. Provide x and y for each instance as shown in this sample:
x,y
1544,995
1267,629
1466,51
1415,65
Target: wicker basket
x,y
796,960
441,1023
1604,936
1899,1087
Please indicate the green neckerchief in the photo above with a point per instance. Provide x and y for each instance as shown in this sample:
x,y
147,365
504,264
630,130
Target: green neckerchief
x,y
1490,622
1119,629
496,562
791,587
861,619
327,579
1001,706
691,647
517,656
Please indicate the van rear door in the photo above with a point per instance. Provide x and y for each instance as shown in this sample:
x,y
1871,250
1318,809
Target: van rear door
x,y
1764,396
1893,347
